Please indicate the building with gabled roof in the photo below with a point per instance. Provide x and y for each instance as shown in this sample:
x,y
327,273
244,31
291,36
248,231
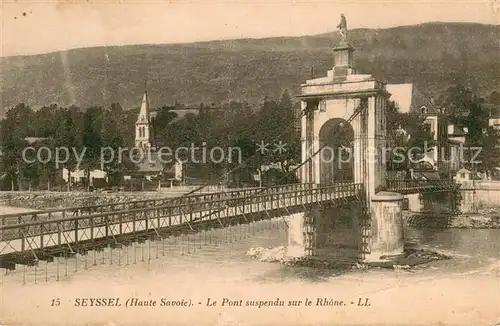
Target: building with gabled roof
x,y
410,100
493,115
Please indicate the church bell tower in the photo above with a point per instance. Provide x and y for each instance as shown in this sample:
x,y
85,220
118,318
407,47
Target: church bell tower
x,y
142,125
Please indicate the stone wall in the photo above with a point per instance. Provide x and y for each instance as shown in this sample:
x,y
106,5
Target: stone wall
x,y
479,195
414,204
440,202
433,202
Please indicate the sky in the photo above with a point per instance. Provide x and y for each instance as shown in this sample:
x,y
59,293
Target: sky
x,y
31,27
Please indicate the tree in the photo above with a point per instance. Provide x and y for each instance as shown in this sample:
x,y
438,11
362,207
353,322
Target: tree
x,y
489,157
467,109
21,116
91,141
11,153
164,116
46,162
464,108
456,102
276,127
291,136
48,121
476,121
243,170
12,141
67,136
31,169
494,98
404,132
113,139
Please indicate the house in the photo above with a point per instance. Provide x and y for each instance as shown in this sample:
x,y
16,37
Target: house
x,y
495,174
456,141
410,100
493,115
79,177
463,175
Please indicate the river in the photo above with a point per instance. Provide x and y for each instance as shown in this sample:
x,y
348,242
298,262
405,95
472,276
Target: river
x,y
464,290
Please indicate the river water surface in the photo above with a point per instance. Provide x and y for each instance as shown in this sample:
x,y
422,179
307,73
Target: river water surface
x,y
464,290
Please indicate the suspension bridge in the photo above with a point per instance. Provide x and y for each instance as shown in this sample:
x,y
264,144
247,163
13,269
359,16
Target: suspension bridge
x,y
369,199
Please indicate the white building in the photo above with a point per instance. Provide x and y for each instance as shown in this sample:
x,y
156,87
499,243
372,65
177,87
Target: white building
x,y
463,175
410,100
493,115
448,136
456,139
78,176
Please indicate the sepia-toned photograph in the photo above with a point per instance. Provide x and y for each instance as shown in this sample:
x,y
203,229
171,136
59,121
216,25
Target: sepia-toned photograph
x,y
249,163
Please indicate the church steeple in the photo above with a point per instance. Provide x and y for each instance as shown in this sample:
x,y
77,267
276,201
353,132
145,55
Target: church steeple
x,y
144,113
142,126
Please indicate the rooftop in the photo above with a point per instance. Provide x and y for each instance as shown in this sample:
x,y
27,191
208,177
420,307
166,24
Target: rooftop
x,y
457,131
410,99
32,140
151,163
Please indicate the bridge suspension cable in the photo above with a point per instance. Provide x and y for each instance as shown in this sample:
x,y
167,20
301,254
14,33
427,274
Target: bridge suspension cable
x,y
292,125
356,112
227,173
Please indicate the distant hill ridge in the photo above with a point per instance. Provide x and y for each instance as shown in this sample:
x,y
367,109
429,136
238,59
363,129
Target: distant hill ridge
x,y
433,55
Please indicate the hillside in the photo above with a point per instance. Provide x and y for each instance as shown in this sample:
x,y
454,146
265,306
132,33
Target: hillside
x,y
433,55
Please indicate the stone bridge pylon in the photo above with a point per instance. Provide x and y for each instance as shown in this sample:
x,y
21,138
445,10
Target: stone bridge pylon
x,y
343,135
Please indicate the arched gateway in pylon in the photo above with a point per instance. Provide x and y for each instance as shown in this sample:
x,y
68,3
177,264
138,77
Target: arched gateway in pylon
x,y
347,109
336,140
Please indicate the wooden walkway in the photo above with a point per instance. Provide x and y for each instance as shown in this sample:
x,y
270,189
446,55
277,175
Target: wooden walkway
x,y
186,213
51,214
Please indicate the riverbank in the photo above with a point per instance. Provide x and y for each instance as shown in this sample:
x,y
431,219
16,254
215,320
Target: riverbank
x,y
56,200
484,219
13,210
407,260
40,200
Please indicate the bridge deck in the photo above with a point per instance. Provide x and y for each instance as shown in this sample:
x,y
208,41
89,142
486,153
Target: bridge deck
x,y
51,214
39,234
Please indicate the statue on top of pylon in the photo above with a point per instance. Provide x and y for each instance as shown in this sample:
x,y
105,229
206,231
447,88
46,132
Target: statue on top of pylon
x,y
342,27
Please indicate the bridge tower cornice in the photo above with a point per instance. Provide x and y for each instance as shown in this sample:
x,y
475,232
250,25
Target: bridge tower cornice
x,y
344,95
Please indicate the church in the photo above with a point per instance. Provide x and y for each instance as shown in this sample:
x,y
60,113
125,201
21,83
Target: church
x,y
151,167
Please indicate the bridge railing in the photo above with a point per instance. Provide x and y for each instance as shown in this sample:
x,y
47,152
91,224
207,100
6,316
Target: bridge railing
x,y
50,214
48,233
416,184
